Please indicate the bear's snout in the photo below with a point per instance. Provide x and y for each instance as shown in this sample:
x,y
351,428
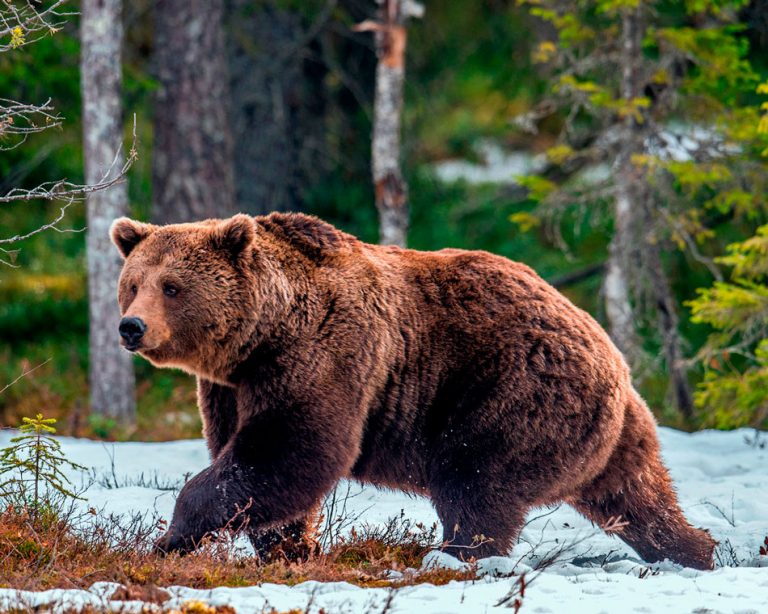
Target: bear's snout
x,y
132,330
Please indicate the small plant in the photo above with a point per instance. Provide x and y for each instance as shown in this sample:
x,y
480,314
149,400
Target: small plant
x,y
103,427
31,466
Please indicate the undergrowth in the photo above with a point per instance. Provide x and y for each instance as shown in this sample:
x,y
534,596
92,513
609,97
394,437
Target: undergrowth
x,y
76,549
48,540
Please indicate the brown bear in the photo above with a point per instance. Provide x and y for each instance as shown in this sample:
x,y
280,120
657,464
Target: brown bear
x,y
459,375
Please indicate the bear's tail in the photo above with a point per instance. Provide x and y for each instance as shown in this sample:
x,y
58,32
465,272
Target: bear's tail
x,y
635,488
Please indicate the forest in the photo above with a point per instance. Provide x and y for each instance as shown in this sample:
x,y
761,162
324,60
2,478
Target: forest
x,y
514,140
511,124
617,147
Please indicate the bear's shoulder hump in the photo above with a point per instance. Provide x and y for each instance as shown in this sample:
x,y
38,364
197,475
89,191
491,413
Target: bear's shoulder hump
x,y
307,233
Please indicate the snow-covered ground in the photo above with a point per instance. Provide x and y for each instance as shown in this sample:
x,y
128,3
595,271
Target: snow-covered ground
x,y
496,166
722,480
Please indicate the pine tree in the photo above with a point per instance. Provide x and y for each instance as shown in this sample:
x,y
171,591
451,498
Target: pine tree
x,y
33,466
735,387
655,94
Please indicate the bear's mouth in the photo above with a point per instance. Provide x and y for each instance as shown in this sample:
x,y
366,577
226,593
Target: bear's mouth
x,y
131,347
138,347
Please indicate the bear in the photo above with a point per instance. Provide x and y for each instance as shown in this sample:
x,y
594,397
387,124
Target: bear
x,y
458,375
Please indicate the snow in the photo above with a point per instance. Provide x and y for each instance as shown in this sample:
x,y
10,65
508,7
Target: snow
x,y
498,165
677,143
721,478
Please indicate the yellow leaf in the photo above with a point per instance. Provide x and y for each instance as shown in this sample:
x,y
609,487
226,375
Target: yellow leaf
x,y
544,52
17,37
524,220
762,127
559,153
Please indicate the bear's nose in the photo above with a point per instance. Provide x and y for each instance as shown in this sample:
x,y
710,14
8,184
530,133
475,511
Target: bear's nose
x,y
132,330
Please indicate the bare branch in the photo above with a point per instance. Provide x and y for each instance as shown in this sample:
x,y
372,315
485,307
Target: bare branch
x,y
26,23
69,192
21,119
66,190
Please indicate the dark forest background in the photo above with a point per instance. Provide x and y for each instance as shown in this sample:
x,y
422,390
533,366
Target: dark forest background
x,y
285,89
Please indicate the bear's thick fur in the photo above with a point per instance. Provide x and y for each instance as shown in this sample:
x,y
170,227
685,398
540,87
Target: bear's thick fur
x,y
459,375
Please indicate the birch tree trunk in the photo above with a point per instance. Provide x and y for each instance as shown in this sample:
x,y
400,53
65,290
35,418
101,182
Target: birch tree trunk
x,y
192,176
111,374
390,188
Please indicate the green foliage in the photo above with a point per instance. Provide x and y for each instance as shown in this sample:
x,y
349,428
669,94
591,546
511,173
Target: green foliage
x,y
34,462
735,387
102,426
707,183
472,67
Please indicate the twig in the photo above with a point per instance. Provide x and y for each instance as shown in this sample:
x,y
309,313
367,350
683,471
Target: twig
x,y
24,374
66,190
29,21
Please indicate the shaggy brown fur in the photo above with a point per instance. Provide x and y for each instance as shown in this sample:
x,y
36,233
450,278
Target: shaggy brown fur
x,y
459,375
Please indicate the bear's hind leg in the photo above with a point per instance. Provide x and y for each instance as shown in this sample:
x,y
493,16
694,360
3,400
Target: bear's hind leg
x,y
635,487
476,526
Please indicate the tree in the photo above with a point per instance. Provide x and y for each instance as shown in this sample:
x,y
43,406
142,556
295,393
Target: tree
x,y
37,460
276,105
111,375
24,24
390,188
192,175
27,23
661,103
735,387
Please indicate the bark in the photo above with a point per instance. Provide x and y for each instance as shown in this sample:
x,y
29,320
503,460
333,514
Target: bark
x,y
111,374
390,188
192,165
277,106
617,286
635,251
666,312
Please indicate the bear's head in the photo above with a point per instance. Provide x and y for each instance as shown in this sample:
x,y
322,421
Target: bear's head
x,y
187,292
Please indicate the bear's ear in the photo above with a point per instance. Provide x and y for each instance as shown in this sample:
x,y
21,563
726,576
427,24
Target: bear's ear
x,y
234,234
127,234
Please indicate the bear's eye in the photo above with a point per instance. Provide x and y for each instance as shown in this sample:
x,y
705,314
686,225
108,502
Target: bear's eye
x,y
170,290
134,289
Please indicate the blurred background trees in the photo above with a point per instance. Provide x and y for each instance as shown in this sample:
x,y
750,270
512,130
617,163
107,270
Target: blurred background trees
x,y
655,94
192,172
110,374
615,146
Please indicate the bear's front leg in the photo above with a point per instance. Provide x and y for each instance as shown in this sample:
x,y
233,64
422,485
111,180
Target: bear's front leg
x,y
198,512
277,466
289,542
218,410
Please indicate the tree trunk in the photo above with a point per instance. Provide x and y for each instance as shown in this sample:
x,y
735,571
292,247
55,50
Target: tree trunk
x,y
666,313
277,106
635,250
617,283
192,165
111,368
390,188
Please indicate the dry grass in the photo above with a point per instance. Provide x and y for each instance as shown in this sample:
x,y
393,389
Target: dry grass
x,y
73,551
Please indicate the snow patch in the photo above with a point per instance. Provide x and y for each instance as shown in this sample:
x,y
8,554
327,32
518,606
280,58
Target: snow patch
x,y
722,483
